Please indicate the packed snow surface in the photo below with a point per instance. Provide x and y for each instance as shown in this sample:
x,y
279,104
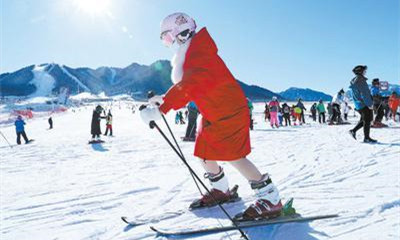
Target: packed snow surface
x,y
60,187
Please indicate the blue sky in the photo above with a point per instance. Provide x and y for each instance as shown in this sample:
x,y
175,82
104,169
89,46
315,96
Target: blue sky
x,y
272,43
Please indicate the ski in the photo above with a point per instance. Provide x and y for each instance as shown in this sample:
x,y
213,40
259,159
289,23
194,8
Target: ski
x,y
244,224
193,207
288,215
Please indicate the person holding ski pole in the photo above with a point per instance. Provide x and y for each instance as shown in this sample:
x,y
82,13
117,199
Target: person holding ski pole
x,y
201,76
20,129
363,103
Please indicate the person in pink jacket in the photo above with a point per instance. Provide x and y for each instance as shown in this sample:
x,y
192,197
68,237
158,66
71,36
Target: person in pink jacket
x,y
273,111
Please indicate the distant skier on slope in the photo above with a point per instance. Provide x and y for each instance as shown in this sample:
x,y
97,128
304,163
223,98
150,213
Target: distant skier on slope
x,y
314,112
378,104
303,109
273,111
95,126
109,119
321,111
394,102
251,107
200,75
193,112
286,113
50,120
337,101
20,130
363,103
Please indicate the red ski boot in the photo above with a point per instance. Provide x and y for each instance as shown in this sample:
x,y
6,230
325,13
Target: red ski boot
x,y
268,204
219,193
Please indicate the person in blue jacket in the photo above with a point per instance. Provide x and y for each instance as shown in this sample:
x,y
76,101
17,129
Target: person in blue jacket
x,y
20,129
363,102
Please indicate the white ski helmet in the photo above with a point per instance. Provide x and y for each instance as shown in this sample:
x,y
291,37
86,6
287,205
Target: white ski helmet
x,y
177,27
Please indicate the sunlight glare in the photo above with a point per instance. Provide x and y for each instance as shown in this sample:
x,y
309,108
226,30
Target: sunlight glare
x,y
93,7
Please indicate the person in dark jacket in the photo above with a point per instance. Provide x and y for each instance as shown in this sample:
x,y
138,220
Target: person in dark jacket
x,y
193,112
314,112
303,109
286,113
20,129
377,103
50,122
363,103
95,127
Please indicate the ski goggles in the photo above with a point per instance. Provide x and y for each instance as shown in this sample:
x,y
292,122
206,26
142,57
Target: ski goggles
x,y
167,38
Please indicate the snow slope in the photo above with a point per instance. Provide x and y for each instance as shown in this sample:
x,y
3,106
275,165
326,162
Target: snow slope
x,y
60,187
43,81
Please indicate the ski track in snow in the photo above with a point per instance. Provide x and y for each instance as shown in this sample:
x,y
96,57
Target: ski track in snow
x,y
60,187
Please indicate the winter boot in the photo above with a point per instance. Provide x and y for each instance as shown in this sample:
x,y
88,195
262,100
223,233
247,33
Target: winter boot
x,y
370,140
353,134
268,204
219,193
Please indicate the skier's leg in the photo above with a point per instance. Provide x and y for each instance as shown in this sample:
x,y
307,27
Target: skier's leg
x,y
111,130
268,203
18,138
368,116
247,169
219,183
25,137
105,134
323,117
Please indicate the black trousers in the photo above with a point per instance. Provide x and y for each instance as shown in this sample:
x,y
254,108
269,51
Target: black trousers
x,y
286,116
379,112
365,121
321,116
314,116
23,135
335,112
192,125
95,135
302,116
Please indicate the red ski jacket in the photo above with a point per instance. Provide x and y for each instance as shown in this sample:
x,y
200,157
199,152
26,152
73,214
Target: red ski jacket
x,y
224,132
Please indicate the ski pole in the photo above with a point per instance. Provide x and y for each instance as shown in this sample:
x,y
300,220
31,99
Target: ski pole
x,y
153,124
180,151
6,139
151,94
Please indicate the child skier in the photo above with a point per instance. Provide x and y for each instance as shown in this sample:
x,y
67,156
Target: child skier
x,y
20,129
200,75
108,123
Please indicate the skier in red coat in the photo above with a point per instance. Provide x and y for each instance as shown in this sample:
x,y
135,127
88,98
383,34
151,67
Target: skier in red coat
x,y
201,76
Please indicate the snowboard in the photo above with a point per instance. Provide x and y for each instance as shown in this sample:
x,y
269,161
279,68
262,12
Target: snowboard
x,y
95,141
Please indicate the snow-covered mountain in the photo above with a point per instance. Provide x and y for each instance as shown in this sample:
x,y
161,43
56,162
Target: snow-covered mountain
x,y
306,94
134,79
